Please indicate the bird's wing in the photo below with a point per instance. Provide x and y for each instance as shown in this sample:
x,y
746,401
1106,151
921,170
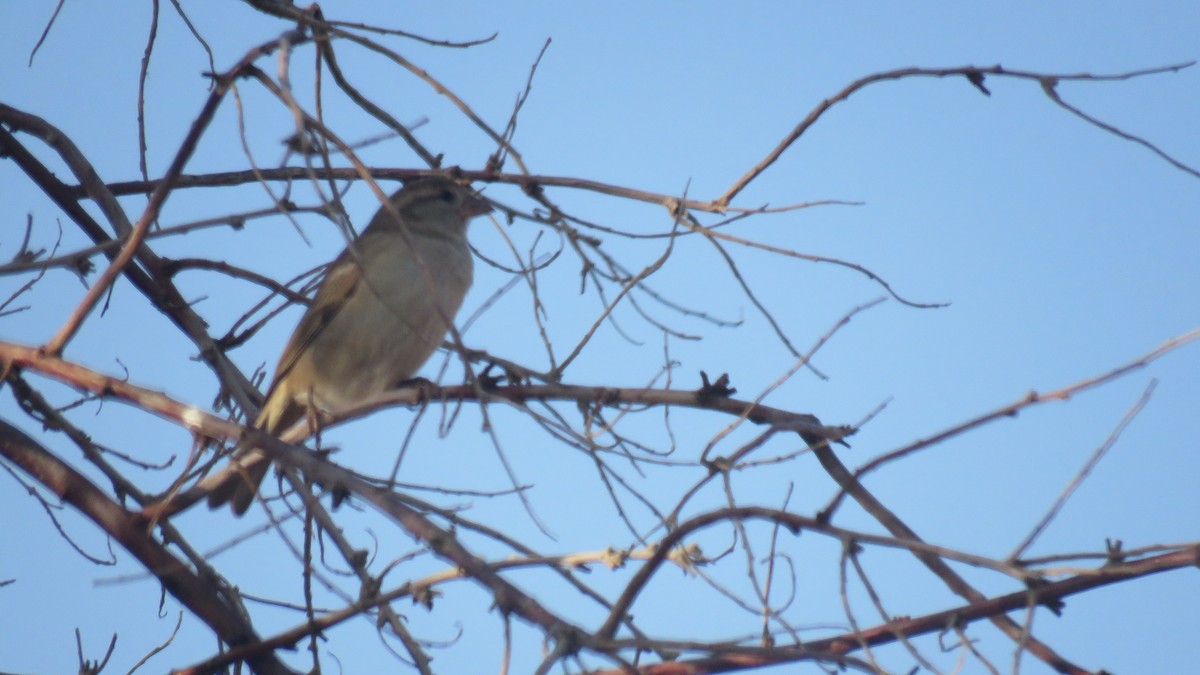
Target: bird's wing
x,y
339,285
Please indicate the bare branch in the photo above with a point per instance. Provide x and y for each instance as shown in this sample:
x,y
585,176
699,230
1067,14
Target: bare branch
x,y
199,594
973,74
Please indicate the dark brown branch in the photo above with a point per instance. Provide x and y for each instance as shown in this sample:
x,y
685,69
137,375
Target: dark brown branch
x,y
509,598
209,425
327,53
228,178
973,74
324,29
829,649
176,265
162,191
198,593
442,543
156,287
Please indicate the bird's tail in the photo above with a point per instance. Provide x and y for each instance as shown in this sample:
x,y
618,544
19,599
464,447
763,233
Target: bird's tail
x,y
237,483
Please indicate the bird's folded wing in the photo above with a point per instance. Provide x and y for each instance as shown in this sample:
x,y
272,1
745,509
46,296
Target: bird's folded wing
x,y
340,284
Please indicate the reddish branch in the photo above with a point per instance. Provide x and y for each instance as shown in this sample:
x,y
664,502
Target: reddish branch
x,y
212,426
529,182
508,597
511,599
205,598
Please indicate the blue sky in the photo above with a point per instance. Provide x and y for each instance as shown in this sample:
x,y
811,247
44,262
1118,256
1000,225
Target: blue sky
x,y
1063,251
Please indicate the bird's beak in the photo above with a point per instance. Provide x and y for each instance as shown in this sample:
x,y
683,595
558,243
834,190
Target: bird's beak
x,y
475,205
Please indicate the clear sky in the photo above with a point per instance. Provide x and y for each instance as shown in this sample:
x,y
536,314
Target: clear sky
x,y
1063,252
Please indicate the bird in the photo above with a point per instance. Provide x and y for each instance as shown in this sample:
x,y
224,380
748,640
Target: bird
x,y
379,313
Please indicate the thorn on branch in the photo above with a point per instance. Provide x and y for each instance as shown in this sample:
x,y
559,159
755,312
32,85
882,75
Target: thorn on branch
x,y
567,640
531,189
795,528
614,559
300,143
28,256
491,382
717,465
1113,548
501,602
83,266
956,622
87,667
687,558
338,494
488,381
718,389
1055,605
493,164
424,596
975,77
677,208
852,547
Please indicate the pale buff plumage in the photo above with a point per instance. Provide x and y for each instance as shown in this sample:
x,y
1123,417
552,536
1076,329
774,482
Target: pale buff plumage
x,y
378,315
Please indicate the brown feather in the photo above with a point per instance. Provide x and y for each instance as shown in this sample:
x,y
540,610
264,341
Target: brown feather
x,y
391,329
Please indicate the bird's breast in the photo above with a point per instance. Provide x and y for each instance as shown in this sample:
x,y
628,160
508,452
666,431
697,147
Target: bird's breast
x,y
393,321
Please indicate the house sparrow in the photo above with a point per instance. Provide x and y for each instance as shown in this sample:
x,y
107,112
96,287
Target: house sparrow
x,y
380,312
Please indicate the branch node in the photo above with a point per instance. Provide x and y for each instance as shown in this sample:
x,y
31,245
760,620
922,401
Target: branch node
x,y
712,390
1054,604
975,77
1114,550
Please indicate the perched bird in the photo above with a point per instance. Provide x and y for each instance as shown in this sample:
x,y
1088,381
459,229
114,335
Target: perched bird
x,y
380,312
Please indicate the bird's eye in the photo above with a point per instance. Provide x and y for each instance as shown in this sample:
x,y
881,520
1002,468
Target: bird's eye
x,y
447,196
